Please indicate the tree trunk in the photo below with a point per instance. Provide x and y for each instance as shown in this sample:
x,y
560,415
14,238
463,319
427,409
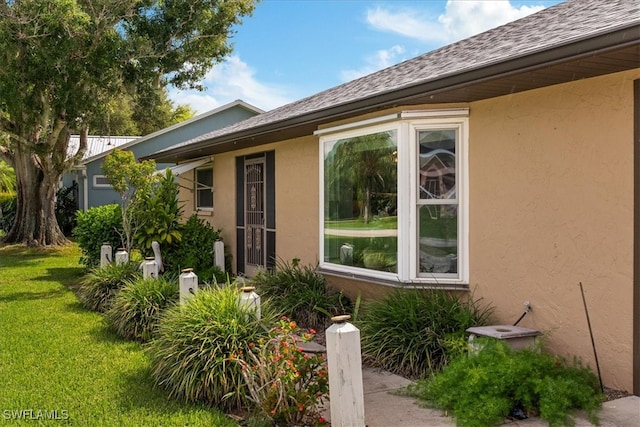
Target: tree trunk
x,y
35,223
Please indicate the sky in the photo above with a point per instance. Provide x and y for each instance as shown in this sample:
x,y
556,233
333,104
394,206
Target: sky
x,y
290,49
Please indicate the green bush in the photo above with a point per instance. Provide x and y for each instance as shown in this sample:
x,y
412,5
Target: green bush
x,y
99,287
413,332
482,390
95,227
137,307
300,293
7,210
66,208
193,350
196,250
158,213
286,385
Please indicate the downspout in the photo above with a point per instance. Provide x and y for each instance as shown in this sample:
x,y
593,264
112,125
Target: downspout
x,y
85,189
636,238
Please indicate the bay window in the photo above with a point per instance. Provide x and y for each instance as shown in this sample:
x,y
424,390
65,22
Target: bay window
x,y
394,198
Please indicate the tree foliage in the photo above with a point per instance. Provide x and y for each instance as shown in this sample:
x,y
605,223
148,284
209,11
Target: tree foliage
x,y
140,114
65,61
132,180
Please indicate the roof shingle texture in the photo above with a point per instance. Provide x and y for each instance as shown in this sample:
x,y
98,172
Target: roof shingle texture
x,y
558,25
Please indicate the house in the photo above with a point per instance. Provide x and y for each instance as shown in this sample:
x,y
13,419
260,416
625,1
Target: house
x,y
506,165
93,187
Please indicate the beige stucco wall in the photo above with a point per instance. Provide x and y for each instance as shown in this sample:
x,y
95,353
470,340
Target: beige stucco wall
x,y
551,205
296,178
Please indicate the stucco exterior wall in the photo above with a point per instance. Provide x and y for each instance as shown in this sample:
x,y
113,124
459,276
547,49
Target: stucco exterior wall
x,y
296,178
551,205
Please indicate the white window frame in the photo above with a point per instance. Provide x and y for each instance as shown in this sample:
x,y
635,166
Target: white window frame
x,y
96,184
408,124
200,187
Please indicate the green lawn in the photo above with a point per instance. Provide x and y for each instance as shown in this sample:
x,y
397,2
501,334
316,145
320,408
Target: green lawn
x,y
58,360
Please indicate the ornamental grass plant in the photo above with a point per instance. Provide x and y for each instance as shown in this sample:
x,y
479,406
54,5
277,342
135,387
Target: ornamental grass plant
x,y
99,287
301,293
192,353
414,333
137,307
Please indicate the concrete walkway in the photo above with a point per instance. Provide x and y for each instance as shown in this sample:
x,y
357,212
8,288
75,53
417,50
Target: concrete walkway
x,y
383,408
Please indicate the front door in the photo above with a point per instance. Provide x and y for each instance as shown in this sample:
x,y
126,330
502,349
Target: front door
x,y
254,216
255,212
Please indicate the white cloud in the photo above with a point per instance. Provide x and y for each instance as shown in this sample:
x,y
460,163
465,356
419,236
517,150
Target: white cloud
x,y
230,80
379,60
461,19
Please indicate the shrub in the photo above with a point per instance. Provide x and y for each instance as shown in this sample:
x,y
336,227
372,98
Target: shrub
x,y
301,293
66,208
7,210
157,212
136,309
410,332
286,385
191,353
99,287
196,250
94,227
483,389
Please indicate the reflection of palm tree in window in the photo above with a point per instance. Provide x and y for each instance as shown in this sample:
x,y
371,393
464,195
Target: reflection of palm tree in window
x,y
366,165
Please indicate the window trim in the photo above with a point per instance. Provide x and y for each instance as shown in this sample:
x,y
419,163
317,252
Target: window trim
x,y
196,189
97,185
408,124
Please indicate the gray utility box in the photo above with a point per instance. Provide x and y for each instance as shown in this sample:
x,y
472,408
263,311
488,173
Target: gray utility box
x,y
516,337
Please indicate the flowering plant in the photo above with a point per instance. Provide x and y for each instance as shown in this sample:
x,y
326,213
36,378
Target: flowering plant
x,y
286,384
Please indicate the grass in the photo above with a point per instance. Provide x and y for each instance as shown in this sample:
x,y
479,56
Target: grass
x,y
57,356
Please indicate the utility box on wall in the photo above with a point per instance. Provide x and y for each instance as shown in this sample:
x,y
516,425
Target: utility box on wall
x,y
516,337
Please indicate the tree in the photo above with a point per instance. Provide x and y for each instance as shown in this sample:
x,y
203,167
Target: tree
x,y
134,114
132,180
64,61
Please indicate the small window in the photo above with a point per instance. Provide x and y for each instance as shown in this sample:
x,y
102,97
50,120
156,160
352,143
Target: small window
x,y
204,188
101,181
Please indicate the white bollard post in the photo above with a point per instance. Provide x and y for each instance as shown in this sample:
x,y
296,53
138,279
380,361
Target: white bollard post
x,y
218,254
122,256
346,394
150,268
105,254
188,285
251,300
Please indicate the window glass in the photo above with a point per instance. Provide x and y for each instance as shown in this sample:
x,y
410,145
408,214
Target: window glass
x,y
100,181
438,239
204,188
437,202
437,173
360,201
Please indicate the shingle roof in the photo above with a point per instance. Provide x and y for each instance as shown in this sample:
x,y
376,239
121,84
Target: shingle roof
x,y
560,25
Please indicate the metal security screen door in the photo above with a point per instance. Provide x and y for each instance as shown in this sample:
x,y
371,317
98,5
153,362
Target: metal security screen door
x,y
254,216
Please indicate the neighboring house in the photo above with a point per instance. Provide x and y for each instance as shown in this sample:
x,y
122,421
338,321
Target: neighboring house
x,y
93,187
506,165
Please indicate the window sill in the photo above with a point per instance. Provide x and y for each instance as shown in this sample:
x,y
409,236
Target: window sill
x,y
204,211
396,284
